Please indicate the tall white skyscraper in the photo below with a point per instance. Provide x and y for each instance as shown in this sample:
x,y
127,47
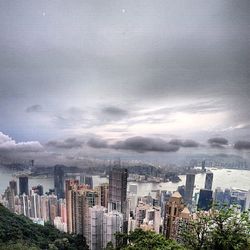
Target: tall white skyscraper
x,y
112,223
35,201
96,227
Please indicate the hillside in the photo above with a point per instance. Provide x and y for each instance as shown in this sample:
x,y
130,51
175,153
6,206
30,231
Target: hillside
x,y
18,232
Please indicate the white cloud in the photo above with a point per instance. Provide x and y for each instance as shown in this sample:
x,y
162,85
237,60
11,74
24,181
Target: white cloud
x,y
7,144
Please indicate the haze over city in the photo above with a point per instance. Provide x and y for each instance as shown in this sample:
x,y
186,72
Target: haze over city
x,y
151,80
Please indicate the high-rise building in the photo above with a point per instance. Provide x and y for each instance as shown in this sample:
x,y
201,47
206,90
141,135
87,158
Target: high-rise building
x,y
205,199
118,193
103,190
209,180
218,196
112,223
25,205
141,210
70,185
59,181
181,190
53,207
10,198
13,187
78,200
189,188
203,166
182,222
35,206
173,208
83,199
23,185
62,211
45,207
118,189
96,223
165,196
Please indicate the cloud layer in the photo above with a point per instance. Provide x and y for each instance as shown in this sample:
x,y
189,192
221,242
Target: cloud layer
x,y
179,69
240,145
8,145
218,142
68,143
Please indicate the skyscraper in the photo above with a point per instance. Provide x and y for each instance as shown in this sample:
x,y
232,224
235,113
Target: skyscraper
x,y
23,185
189,188
25,205
53,207
209,180
70,186
9,195
35,205
181,190
13,187
103,190
96,224
112,223
118,189
78,200
205,199
45,207
173,208
59,181
203,166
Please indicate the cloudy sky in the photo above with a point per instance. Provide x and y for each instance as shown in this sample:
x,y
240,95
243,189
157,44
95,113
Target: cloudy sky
x,y
81,78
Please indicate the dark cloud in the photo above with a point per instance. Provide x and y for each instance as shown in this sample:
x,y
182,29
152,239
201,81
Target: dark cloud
x,y
218,142
242,145
34,108
97,143
68,143
144,144
184,143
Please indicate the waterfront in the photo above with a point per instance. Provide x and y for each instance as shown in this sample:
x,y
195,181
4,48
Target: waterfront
x,y
223,178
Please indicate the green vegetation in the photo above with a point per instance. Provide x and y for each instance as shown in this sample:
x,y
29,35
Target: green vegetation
x,y
223,229
20,233
144,240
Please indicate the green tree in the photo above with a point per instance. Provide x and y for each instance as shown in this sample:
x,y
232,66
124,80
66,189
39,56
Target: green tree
x,y
148,240
110,246
19,232
223,229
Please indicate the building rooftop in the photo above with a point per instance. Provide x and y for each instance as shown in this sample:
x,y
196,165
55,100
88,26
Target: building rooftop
x,y
185,211
176,195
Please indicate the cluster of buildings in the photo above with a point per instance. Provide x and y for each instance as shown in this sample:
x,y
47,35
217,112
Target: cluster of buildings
x,y
34,203
98,213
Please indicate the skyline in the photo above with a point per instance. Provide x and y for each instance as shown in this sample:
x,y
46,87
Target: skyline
x,y
144,80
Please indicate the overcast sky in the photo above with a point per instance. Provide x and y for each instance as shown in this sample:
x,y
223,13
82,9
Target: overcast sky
x,y
124,76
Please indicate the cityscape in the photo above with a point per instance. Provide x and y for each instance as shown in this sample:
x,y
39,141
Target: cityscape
x,y
98,213
124,125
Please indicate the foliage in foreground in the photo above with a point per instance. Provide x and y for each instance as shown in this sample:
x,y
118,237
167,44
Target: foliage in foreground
x,y
145,240
20,233
223,229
